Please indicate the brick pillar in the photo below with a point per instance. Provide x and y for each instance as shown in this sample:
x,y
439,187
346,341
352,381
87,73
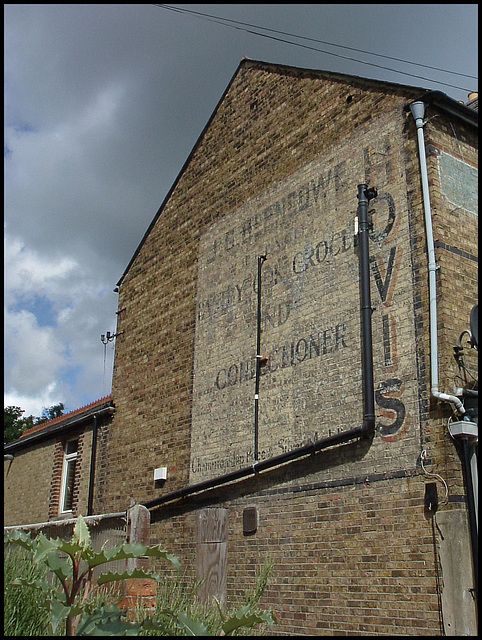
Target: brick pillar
x,y
138,590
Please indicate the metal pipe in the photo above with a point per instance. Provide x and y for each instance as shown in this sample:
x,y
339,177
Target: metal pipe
x,y
257,467
475,481
261,259
418,111
364,196
93,455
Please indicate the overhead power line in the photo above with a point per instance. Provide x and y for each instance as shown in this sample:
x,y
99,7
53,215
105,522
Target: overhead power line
x,y
243,26
293,35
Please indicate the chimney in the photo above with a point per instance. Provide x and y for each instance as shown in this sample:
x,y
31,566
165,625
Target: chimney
x,y
473,102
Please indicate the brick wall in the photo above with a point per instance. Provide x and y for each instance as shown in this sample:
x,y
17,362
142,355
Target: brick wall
x,y
266,128
32,482
27,481
348,560
277,169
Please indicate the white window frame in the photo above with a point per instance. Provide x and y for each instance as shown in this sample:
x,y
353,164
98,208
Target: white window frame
x,y
68,477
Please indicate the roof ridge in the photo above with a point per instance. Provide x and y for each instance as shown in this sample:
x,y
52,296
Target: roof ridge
x,y
70,414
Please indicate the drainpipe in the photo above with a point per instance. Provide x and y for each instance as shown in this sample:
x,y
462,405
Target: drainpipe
x,y
418,111
261,259
364,196
93,455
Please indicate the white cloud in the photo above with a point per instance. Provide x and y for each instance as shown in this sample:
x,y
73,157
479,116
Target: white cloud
x,y
28,273
55,311
33,405
34,356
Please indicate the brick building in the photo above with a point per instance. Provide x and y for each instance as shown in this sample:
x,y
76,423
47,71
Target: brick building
x,y
285,408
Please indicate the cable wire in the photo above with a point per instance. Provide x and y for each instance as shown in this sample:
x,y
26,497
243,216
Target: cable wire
x,y
224,22
331,44
423,456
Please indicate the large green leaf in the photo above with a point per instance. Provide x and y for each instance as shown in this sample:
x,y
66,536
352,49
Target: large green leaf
x,y
58,613
81,533
71,547
61,567
246,617
107,621
43,547
130,551
191,627
39,585
20,538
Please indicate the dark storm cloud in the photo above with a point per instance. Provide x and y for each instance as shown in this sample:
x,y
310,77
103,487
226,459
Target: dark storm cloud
x,y
103,104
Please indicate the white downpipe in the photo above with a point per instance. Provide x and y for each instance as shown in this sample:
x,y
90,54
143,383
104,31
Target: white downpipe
x,y
418,112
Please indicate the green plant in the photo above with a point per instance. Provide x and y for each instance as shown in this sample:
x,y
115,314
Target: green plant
x,y
73,562
67,600
21,614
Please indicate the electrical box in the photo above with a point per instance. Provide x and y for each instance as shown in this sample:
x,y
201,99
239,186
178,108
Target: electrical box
x,y
431,496
250,520
160,474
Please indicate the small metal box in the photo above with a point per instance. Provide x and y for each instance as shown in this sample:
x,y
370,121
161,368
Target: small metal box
x,y
250,520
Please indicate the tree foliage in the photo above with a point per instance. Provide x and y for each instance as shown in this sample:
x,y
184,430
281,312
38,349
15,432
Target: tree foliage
x,y
55,411
15,424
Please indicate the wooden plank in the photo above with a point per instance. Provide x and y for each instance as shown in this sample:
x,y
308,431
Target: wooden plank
x,y
211,567
211,554
212,525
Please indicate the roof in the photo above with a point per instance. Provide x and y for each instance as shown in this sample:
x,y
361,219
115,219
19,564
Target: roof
x,y
467,113
62,424
438,98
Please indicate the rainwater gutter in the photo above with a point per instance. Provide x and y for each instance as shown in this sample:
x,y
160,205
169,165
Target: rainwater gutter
x,y
62,428
261,260
418,111
367,427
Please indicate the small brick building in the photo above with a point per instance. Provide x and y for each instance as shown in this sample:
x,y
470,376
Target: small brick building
x,y
258,452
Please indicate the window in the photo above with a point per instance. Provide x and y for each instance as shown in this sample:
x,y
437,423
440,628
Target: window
x,y
68,475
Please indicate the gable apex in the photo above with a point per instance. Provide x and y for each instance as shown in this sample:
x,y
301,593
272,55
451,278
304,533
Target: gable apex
x,y
362,84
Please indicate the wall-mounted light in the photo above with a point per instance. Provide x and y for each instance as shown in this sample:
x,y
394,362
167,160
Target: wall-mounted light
x,y
109,337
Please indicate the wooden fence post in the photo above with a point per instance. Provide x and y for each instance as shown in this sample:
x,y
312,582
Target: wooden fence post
x,y
138,591
211,554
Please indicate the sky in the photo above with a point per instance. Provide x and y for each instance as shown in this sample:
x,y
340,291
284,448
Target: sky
x,y
103,104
